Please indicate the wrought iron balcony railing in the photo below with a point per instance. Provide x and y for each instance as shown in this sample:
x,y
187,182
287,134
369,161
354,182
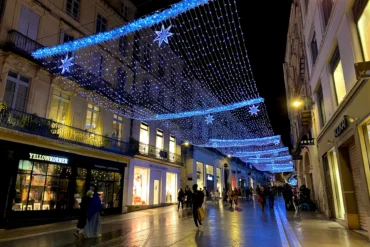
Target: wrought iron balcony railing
x,y
154,152
21,44
35,125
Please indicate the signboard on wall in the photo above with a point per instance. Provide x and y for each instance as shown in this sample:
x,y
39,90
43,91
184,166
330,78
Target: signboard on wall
x,y
49,158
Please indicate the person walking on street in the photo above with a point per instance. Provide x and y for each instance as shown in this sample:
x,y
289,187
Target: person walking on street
x,y
272,195
93,226
84,205
197,199
180,199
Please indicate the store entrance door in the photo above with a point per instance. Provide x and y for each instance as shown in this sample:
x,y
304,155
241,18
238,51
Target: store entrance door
x,y
156,187
105,190
329,189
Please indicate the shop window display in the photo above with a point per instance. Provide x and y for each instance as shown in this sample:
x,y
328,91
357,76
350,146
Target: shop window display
x,y
171,187
80,186
140,186
218,174
108,185
41,186
200,174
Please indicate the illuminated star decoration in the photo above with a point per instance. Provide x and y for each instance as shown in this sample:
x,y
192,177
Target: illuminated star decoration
x,y
209,119
163,35
66,63
277,142
253,110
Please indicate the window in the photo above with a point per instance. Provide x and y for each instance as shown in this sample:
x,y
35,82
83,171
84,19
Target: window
x,y
161,66
98,64
28,26
366,149
92,117
41,186
108,186
173,76
140,193
16,91
209,169
159,141
314,51
80,186
121,79
218,179
101,24
137,46
338,77
200,174
124,10
147,58
306,5
117,127
64,38
327,6
172,144
123,46
363,26
320,98
73,8
144,138
59,106
2,8
171,187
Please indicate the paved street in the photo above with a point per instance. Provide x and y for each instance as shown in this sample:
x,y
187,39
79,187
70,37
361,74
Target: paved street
x,y
247,226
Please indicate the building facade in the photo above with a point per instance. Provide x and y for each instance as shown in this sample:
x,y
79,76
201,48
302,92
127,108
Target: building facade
x,y
336,38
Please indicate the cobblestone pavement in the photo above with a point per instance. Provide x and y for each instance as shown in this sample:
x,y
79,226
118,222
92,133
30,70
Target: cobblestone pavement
x,y
224,226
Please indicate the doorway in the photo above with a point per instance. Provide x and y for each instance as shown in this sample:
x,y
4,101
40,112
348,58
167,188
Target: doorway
x,y
329,189
156,192
156,187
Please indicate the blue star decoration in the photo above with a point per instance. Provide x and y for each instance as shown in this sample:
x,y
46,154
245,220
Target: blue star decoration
x,y
209,119
163,35
66,63
253,110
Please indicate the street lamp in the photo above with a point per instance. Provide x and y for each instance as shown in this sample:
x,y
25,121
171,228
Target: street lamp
x,y
229,156
297,103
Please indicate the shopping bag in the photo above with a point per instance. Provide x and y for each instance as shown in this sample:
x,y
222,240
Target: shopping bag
x,y
201,214
260,200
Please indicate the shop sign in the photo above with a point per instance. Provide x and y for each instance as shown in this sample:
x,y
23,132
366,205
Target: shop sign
x,y
341,128
107,168
158,167
49,158
308,142
210,177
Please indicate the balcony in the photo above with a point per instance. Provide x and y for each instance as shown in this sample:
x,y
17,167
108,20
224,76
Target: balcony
x,y
34,125
140,148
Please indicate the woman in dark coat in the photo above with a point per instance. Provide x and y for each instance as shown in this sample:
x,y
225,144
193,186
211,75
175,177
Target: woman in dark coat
x,y
197,199
84,205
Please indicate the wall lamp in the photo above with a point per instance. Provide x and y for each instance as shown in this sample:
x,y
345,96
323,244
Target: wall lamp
x,y
297,103
350,118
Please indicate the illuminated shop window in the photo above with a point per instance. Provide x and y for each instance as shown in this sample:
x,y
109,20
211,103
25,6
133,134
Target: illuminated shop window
x,y
363,26
200,174
140,193
171,187
108,185
218,174
41,186
336,185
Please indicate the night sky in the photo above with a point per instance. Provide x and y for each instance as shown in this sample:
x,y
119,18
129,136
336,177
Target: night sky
x,y
265,25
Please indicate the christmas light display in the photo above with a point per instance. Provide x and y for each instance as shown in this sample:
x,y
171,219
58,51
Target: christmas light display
x,y
163,35
268,160
200,86
66,63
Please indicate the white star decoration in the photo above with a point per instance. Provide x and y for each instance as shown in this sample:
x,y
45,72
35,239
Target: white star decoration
x,y
209,119
66,63
253,110
163,35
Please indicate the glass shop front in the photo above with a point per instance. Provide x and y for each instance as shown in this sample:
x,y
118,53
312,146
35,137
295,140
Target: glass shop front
x,y
47,186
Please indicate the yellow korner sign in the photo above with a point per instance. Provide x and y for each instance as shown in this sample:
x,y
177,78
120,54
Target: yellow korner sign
x,y
54,159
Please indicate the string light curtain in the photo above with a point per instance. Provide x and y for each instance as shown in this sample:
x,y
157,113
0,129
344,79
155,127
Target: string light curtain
x,y
186,67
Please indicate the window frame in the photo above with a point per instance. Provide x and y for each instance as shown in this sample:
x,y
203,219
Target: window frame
x,y
61,99
314,49
94,110
119,122
101,24
18,82
70,12
321,106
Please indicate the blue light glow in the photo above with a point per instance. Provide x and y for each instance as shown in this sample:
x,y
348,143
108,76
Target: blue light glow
x,y
222,143
268,160
260,153
173,11
206,111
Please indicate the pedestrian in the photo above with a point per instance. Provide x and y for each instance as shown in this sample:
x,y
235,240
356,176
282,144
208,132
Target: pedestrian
x,y
180,199
272,195
288,196
262,197
197,200
84,205
93,226
205,197
236,197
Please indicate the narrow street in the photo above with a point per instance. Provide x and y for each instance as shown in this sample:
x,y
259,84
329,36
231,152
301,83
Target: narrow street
x,y
246,226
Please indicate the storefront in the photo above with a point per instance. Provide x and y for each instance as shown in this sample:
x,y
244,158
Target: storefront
x,y
210,178
200,174
152,184
44,185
